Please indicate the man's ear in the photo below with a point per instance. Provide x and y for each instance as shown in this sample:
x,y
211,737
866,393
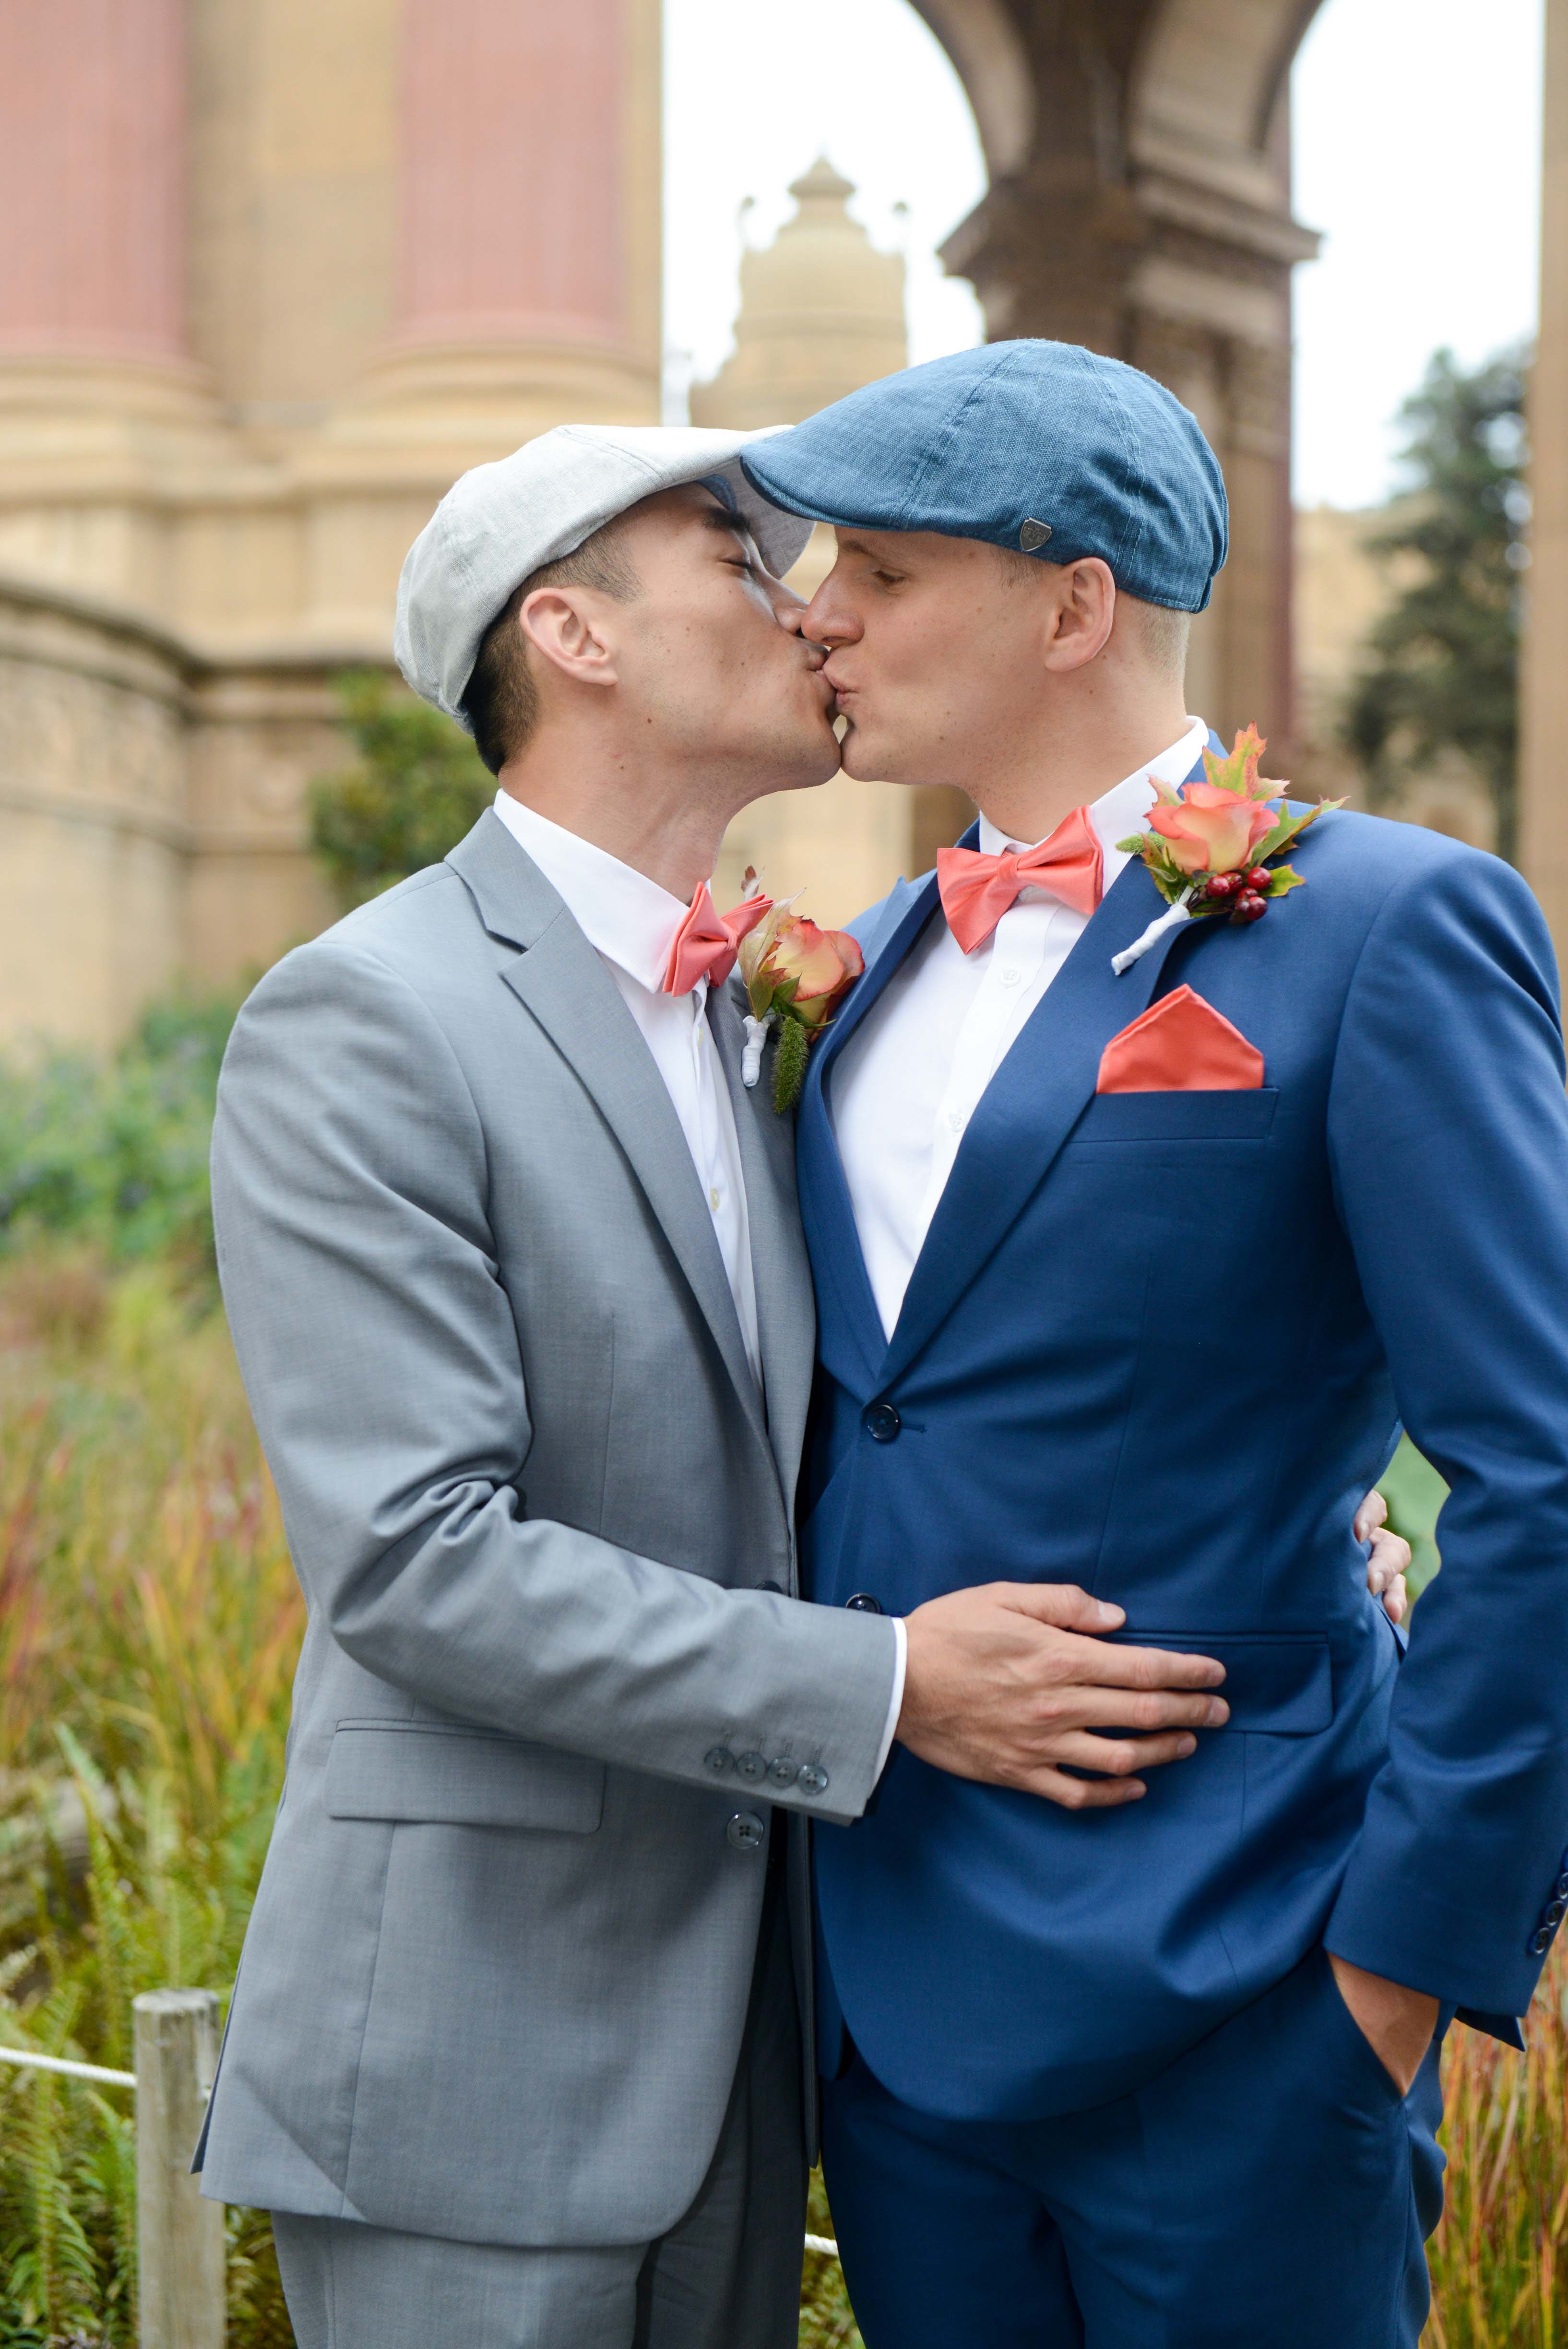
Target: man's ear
x,y
1083,612
562,625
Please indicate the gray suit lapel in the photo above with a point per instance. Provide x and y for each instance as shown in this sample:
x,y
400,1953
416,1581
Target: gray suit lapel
x,y
565,985
786,1314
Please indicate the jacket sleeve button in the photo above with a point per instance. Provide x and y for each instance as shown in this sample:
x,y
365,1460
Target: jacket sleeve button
x,y
811,1778
718,1758
753,1768
1553,1913
864,1604
1541,1942
781,1771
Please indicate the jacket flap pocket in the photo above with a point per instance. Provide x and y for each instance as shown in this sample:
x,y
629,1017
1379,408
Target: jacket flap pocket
x,y
1281,1681
459,1777
1179,1116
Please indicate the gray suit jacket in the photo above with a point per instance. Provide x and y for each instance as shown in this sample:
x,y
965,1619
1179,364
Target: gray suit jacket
x,y
495,1979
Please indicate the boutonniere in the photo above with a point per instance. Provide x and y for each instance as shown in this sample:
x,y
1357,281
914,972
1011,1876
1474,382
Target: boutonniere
x,y
1210,846
794,976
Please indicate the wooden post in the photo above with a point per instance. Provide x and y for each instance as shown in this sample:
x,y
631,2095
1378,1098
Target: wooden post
x,y
180,2236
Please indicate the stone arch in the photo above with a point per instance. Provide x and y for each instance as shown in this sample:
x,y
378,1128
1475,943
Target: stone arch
x,y
1220,63
990,57
1140,203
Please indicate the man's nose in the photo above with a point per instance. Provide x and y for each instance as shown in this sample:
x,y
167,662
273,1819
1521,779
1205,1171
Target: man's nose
x,y
829,618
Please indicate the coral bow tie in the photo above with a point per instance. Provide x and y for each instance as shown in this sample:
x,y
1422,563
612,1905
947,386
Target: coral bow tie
x,y
704,945
978,890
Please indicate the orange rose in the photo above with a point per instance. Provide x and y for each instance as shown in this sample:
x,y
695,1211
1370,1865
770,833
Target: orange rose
x,y
821,963
1212,830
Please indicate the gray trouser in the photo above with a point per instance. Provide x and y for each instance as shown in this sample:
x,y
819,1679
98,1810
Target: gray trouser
x,y
726,2276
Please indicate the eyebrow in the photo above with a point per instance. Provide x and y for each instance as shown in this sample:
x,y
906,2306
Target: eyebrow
x,y
720,518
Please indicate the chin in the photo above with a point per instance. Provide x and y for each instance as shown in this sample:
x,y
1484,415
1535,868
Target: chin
x,y
862,763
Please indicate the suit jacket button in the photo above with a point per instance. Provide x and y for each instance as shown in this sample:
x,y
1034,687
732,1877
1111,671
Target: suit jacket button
x,y
864,1604
753,1768
811,1778
781,1771
882,1423
1541,1942
771,1586
746,1831
718,1758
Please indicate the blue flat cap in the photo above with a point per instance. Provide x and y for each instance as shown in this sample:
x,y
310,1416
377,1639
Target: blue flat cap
x,y
1043,448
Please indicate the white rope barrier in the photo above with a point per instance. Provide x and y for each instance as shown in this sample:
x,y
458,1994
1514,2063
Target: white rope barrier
x,y
26,2060
31,2062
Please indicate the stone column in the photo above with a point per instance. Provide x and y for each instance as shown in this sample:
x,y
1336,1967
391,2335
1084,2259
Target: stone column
x,y
529,267
1150,219
92,197
1544,759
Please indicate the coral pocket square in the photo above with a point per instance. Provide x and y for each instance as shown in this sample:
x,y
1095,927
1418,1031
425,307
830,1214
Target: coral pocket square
x,y
1180,1045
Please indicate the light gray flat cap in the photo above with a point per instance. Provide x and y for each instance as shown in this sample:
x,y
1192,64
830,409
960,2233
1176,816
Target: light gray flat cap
x,y
501,522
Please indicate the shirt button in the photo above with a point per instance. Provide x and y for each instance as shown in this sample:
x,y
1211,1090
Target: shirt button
x,y
753,1767
955,1120
1011,975
718,1758
713,1197
745,1831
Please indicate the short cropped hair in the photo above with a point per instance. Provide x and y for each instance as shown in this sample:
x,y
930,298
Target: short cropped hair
x,y
1162,634
502,696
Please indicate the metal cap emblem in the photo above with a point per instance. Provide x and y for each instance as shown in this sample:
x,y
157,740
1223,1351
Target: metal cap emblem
x,y
1032,534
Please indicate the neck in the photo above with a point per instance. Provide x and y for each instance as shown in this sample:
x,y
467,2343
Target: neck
x,y
660,821
1074,754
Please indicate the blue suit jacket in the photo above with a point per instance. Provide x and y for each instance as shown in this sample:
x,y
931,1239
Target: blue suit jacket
x,y
1160,1345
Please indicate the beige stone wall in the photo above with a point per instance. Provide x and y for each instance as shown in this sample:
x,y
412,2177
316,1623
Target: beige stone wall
x,y
96,843
1341,590
243,485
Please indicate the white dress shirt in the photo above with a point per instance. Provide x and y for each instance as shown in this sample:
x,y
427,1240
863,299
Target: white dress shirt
x,y
631,922
908,1081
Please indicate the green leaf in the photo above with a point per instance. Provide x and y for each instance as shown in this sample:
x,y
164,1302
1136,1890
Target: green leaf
x,y
791,1053
1284,879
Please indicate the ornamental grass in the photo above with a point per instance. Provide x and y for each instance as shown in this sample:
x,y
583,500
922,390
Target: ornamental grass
x,y
149,1624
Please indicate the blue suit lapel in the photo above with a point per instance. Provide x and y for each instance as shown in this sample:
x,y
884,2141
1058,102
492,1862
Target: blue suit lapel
x,y
825,1209
1029,1108
1031,1104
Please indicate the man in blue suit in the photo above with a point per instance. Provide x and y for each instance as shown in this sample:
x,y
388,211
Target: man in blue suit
x,y
1130,2059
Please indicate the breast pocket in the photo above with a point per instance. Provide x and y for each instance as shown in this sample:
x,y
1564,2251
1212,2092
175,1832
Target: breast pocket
x,y
459,1777
1245,1116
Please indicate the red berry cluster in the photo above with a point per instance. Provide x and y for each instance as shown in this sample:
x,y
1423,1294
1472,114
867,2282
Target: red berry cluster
x,y
1248,893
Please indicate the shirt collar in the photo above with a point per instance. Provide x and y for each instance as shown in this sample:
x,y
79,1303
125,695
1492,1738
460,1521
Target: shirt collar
x,y
627,917
1123,809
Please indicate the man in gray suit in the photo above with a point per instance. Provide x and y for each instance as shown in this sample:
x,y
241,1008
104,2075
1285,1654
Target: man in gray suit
x,y
514,1272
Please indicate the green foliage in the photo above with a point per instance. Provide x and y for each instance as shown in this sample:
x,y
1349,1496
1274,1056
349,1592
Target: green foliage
x,y
416,787
1443,672
149,1624
1415,1494
114,1151
792,1048
827,2320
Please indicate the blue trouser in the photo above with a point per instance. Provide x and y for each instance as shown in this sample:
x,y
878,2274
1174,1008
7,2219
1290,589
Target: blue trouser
x,y
1271,2190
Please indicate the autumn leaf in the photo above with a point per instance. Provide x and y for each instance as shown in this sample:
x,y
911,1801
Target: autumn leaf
x,y
1237,772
